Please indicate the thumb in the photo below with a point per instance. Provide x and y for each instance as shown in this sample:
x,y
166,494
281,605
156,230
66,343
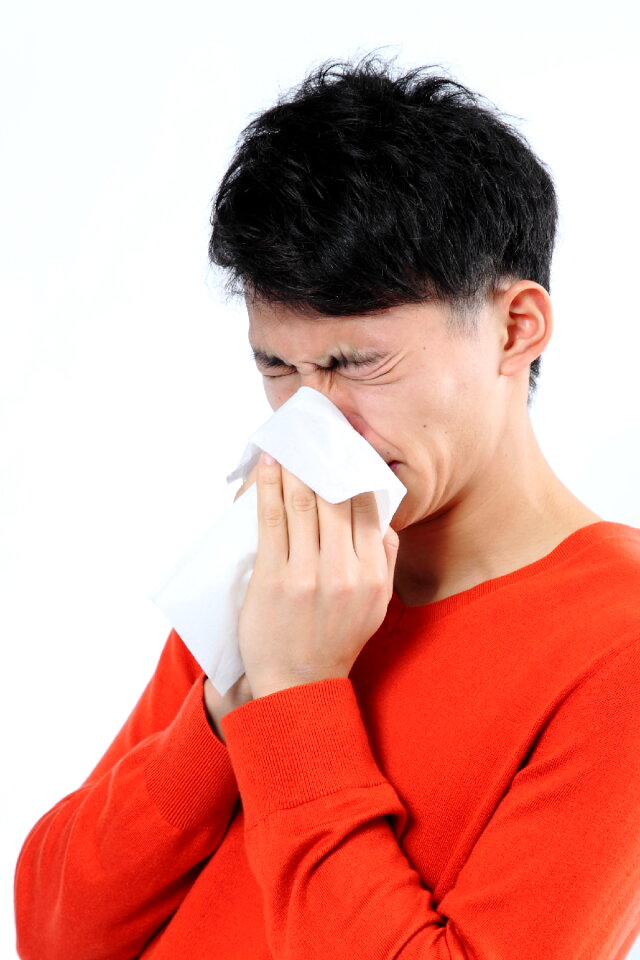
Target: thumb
x,y
391,543
251,479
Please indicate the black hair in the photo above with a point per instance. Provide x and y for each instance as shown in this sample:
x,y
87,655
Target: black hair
x,y
363,189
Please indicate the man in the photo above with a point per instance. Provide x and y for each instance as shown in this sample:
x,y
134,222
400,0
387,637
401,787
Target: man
x,y
433,752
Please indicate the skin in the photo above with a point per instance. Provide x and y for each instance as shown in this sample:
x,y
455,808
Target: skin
x,y
449,408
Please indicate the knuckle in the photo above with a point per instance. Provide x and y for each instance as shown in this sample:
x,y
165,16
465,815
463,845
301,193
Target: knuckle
x,y
378,583
306,585
303,501
342,584
275,584
364,503
271,580
273,515
270,477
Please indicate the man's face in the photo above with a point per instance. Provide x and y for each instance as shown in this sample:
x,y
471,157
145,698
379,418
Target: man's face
x,y
425,395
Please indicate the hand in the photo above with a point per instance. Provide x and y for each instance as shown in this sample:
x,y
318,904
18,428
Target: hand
x,y
219,706
320,587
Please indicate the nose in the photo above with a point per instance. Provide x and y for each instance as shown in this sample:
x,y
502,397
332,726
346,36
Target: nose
x,y
335,390
324,381
356,422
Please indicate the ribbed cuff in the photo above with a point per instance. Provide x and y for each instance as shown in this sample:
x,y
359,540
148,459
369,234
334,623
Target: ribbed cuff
x,y
189,773
298,744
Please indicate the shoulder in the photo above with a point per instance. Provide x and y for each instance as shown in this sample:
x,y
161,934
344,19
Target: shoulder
x,y
614,537
606,556
588,597
577,606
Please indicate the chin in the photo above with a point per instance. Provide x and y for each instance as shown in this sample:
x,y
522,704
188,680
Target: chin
x,y
401,520
405,517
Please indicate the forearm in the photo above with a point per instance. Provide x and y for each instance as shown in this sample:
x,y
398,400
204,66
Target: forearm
x,y
101,872
326,834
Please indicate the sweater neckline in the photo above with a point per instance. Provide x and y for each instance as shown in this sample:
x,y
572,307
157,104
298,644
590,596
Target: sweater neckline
x,y
584,537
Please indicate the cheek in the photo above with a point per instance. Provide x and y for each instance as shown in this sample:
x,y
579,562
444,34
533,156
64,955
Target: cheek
x,y
450,400
278,390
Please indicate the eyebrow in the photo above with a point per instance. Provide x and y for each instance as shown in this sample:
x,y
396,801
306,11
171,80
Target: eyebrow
x,y
352,358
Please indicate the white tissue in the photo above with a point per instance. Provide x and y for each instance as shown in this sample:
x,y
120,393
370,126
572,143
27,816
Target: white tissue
x,y
203,595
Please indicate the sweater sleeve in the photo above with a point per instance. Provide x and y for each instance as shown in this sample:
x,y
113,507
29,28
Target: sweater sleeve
x,y
101,872
554,874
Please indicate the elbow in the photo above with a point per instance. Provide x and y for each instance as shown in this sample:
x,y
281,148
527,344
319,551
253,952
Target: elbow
x,y
46,929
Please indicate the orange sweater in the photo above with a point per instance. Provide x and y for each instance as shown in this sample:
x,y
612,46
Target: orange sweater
x,y
471,791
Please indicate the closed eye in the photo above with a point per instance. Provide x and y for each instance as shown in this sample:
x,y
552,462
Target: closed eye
x,y
266,362
357,361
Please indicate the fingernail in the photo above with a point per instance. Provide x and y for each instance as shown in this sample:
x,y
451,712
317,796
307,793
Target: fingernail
x,y
267,459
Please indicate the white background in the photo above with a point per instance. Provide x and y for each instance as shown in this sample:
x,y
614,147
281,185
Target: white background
x,y
126,388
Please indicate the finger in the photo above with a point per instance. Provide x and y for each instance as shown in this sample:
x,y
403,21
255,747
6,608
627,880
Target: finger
x,y
334,531
365,524
302,520
391,543
273,542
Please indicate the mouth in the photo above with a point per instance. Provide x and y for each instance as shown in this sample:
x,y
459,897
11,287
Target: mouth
x,y
393,465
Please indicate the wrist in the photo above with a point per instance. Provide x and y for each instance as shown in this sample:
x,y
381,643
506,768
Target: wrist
x,y
212,705
263,687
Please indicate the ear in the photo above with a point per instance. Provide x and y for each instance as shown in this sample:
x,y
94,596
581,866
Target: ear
x,y
525,308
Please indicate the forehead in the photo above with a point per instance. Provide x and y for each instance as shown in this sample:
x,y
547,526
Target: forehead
x,y
274,327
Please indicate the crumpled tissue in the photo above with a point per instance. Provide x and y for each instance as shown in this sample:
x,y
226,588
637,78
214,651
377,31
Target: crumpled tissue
x,y
203,595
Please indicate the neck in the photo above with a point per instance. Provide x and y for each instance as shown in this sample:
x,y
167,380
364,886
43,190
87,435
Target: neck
x,y
512,517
